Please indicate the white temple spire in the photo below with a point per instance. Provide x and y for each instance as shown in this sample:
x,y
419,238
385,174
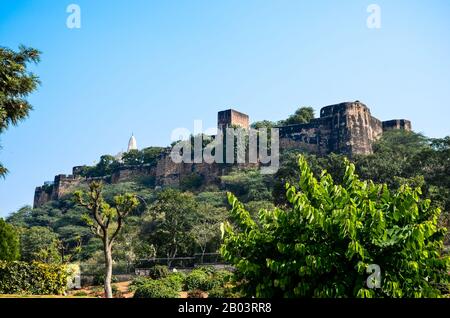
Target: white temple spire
x,y
132,144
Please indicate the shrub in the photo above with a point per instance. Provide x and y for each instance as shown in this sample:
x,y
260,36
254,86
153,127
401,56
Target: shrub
x,y
175,281
99,279
32,278
196,294
116,292
197,279
159,271
80,294
217,292
208,269
137,282
156,289
192,181
220,278
225,291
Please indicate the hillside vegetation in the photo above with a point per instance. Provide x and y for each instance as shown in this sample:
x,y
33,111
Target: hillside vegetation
x,y
399,158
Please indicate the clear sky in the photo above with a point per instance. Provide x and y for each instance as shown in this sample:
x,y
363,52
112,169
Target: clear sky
x,y
151,66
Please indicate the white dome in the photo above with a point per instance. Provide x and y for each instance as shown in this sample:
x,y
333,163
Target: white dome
x,y
132,145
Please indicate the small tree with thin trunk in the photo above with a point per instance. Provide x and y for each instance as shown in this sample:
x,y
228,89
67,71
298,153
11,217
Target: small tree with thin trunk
x,y
106,221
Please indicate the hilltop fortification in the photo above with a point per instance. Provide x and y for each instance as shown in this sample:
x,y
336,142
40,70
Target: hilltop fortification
x,y
345,128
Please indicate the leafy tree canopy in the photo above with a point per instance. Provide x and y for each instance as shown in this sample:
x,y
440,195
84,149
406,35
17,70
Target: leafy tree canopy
x,y
303,115
40,244
323,244
9,242
16,83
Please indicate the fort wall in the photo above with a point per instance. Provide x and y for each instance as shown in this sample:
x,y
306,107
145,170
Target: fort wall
x,y
346,128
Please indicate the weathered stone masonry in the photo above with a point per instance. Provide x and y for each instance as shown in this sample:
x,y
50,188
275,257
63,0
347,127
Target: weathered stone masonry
x,y
346,128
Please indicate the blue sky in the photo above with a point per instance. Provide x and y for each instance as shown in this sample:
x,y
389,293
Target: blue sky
x,y
151,66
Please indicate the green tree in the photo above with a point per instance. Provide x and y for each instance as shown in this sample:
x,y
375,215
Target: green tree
x,y
173,216
393,156
16,83
106,221
323,245
21,217
106,165
303,115
40,244
288,171
263,124
206,230
9,242
133,158
151,154
248,184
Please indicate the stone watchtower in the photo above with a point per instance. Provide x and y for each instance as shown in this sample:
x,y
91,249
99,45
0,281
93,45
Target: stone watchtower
x,y
231,117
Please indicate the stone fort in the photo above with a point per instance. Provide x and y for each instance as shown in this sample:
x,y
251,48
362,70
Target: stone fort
x,y
346,128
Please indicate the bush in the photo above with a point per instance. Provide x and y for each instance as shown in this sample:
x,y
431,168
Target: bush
x,y
99,279
138,282
220,278
158,272
197,279
116,292
225,291
192,181
32,278
80,294
196,294
175,281
156,289
208,269
9,242
217,292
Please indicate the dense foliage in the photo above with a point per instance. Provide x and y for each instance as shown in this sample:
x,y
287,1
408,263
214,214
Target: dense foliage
x,y
40,244
302,115
197,279
156,289
16,83
32,278
9,242
201,280
184,221
178,224
400,157
109,164
324,243
158,272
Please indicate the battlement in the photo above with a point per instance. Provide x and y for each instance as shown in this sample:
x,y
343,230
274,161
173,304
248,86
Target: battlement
x,y
343,108
397,124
